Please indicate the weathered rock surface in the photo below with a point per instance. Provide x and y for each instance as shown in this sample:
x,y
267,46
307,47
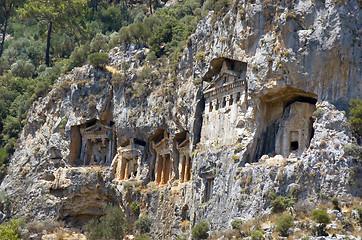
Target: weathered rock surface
x,y
298,53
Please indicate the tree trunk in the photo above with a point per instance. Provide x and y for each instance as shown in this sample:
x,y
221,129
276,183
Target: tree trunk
x,y
7,15
150,2
47,62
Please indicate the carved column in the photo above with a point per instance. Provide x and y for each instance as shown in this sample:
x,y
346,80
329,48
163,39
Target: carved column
x,y
159,168
183,168
214,103
187,169
301,140
126,170
169,168
227,99
163,173
83,151
122,168
109,157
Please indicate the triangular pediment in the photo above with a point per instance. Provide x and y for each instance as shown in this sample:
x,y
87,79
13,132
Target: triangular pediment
x,y
97,127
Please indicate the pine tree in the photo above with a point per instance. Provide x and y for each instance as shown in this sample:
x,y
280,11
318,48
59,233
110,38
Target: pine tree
x,y
55,13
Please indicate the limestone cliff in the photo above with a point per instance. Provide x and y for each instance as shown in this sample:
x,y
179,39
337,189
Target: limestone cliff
x,y
255,108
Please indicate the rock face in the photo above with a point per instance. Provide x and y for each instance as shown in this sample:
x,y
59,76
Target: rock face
x,y
254,109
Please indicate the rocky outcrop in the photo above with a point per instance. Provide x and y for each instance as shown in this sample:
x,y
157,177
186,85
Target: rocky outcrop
x,y
214,140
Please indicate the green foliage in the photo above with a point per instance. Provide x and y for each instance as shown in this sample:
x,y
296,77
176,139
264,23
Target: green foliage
x,y
79,55
355,112
200,231
113,225
283,224
320,216
23,68
359,214
98,59
143,237
281,203
257,235
11,230
236,224
99,42
54,14
143,224
182,237
353,150
219,6
236,158
336,204
318,113
200,56
135,208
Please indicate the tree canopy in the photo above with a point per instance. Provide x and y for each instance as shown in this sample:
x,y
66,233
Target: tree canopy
x,y
55,13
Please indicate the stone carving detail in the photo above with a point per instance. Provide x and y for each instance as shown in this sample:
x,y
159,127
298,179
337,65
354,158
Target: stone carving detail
x,y
295,130
209,188
224,99
183,147
161,144
92,144
125,164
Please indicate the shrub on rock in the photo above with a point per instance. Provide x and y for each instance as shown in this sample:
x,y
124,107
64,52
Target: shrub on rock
x,y
257,235
283,224
200,230
143,224
320,216
98,59
110,226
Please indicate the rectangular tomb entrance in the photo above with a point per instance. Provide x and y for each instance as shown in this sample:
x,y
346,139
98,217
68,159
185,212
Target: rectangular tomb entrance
x,y
161,144
92,144
295,130
182,141
224,91
125,164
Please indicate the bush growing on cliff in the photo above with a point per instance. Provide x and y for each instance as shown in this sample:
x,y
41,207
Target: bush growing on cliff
x,y
322,218
113,225
12,229
236,225
143,224
355,112
336,204
359,214
200,230
353,150
283,224
257,235
281,203
135,208
98,59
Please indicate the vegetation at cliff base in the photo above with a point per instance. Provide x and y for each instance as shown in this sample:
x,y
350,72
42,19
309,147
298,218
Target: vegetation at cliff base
x,y
284,223
143,224
257,235
112,225
12,229
321,217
